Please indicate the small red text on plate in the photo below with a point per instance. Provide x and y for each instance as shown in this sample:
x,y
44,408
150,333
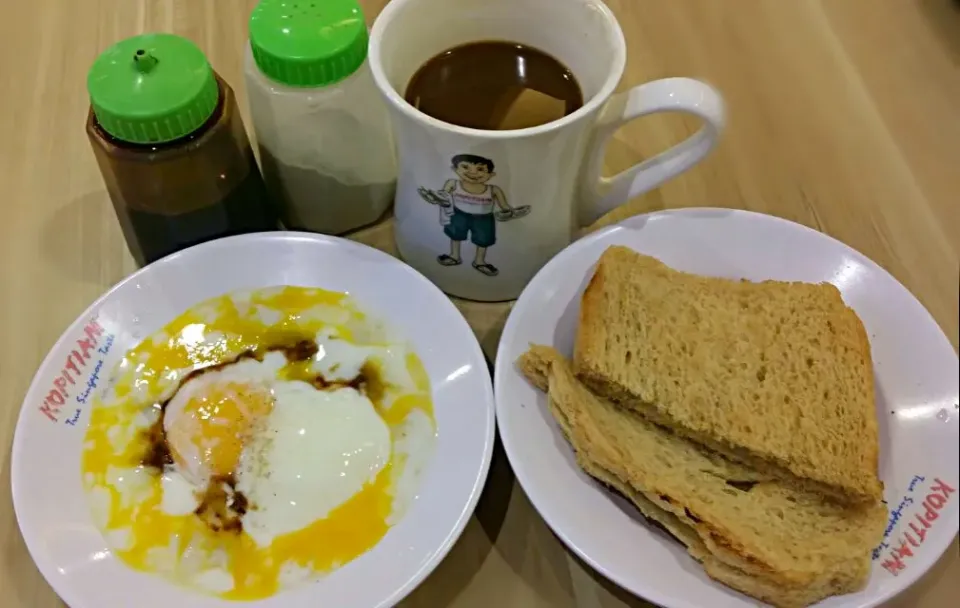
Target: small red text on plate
x,y
76,362
916,529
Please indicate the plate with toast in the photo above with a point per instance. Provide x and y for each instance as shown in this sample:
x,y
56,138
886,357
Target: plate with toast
x,y
721,408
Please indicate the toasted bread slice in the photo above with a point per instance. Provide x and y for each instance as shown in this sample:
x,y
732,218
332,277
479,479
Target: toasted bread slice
x,y
762,537
735,576
776,375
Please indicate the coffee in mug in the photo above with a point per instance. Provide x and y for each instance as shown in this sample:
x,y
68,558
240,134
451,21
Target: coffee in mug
x,y
495,85
482,203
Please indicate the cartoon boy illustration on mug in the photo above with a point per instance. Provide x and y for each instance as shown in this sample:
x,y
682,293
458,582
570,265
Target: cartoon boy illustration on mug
x,y
471,207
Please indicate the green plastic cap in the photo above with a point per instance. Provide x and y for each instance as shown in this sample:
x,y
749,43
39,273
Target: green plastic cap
x,y
152,88
308,43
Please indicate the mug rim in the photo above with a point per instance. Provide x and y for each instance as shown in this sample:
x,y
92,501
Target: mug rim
x,y
596,101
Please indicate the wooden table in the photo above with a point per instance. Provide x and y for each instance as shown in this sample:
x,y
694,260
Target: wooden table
x,y
844,115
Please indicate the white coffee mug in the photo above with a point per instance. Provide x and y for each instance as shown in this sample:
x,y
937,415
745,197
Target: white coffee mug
x,y
479,212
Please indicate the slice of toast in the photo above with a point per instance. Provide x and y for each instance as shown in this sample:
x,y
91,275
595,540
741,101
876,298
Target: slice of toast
x,y
739,577
776,375
764,538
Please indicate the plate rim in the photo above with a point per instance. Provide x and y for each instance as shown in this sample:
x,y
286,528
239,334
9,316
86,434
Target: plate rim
x,y
503,365
283,236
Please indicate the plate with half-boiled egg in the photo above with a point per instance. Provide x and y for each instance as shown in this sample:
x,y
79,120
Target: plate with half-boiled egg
x,y
280,419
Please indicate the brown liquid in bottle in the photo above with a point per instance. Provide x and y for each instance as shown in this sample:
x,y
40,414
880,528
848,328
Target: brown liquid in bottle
x,y
173,195
494,85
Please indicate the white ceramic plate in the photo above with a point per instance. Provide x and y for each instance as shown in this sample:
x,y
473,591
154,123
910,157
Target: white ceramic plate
x,y
917,378
49,500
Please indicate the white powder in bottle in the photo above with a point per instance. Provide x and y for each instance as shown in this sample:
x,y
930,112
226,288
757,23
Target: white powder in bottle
x,y
321,126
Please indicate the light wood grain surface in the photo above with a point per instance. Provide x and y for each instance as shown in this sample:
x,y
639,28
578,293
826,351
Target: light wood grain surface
x,y
844,116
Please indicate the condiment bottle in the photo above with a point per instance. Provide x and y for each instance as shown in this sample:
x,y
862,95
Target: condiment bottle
x,y
322,130
170,143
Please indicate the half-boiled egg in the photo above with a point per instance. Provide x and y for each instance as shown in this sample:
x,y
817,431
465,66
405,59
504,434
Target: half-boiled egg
x,y
258,441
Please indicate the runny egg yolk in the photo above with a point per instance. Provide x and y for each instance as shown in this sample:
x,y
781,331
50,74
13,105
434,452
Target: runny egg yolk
x,y
207,436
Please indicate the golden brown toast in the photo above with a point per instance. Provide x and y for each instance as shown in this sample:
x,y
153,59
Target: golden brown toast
x,y
776,375
758,535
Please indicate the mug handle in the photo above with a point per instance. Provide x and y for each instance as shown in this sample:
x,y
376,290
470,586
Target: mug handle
x,y
604,194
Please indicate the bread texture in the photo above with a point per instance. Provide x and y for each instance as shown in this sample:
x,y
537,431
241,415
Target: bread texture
x,y
756,534
776,375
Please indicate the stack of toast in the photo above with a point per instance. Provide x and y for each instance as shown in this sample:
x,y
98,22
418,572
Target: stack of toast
x,y
738,416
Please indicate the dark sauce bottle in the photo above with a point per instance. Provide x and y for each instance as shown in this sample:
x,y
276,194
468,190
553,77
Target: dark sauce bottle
x,y
170,143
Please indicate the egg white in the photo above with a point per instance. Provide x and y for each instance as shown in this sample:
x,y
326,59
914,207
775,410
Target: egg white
x,y
315,451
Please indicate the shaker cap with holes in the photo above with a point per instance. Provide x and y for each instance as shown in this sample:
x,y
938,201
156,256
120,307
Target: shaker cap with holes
x,y
152,88
308,43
